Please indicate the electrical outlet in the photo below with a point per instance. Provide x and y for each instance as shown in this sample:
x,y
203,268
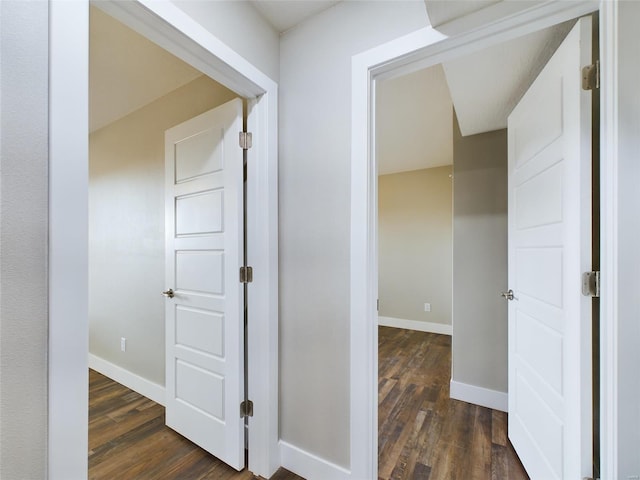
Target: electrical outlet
x,y
123,344
427,307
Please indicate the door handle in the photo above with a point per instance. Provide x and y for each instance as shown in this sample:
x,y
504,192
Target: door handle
x,y
508,295
169,293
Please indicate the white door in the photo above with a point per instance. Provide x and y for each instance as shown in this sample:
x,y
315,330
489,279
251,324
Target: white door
x,y
204,318
550,384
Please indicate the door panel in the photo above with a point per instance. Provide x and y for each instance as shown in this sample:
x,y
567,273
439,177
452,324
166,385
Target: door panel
x,y
200,213
204,336
200,272
549,135
200,330
199,154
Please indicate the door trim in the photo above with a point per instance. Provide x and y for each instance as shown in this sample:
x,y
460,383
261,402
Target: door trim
x,y
421,49
172,29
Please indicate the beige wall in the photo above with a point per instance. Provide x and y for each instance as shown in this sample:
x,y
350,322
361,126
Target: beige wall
x,y
479,350
415,244
126,228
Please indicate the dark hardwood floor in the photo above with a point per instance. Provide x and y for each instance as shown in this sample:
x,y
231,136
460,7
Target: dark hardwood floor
x,y
129,441
422,433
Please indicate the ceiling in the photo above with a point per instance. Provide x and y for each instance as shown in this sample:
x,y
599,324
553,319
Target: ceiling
x,y
482,87
414,122
286,14
487,85
127,71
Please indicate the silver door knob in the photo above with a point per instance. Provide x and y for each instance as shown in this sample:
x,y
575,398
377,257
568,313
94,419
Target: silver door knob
x,y
169,293
507,295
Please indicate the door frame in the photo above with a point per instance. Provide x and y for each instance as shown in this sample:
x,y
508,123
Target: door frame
x,y
172,29
421,49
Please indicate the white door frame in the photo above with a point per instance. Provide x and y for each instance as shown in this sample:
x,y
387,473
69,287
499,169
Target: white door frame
x,y
421,49
175,31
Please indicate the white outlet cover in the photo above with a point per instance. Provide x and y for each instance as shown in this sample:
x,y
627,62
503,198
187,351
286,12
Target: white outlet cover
x,y
427,307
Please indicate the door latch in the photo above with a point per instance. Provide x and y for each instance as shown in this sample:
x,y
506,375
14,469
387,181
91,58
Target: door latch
x,y
508,295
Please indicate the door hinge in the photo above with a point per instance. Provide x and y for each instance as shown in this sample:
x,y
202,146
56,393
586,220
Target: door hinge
x,y
591,76
246,140
246,409
591,284
246,274
378,305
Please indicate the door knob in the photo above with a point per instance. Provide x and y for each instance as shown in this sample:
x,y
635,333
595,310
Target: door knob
x,y
169,293
507,295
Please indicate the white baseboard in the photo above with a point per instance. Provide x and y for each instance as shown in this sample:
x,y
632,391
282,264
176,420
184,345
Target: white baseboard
x,y
130,380
440,328
479,396
310,466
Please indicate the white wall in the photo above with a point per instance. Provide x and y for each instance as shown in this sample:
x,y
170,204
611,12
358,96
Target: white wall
x,y
479,348
415,244
240,27
628,240
315,114
24,69
126,228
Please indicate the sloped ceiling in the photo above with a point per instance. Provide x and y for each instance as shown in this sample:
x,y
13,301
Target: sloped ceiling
x,y
127,71
414,122
414,112
487,85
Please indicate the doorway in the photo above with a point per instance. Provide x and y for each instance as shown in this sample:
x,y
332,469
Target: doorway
x,y
164,163
68,423
370,285
139,93
130,111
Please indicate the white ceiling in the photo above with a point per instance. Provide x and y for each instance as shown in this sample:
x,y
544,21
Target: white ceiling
x,y
286,14
414,122
487,85
127,71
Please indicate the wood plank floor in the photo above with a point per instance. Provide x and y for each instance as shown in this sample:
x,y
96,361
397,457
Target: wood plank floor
x,y
129,441
422,433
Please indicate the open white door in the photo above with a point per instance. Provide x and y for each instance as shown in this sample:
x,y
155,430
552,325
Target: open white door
x,y
550,383
204,311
